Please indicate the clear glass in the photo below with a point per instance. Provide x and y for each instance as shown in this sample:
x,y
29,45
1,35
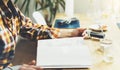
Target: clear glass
x,y
106,45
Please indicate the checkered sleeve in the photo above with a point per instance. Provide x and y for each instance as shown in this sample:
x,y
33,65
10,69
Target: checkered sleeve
x,y
36,31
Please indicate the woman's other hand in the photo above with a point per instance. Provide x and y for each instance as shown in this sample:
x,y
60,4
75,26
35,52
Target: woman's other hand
x,y
30,66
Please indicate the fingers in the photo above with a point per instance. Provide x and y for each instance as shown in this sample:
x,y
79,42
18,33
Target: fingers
x,y
37,68
30,67
86,34
33,62
78,32
81,31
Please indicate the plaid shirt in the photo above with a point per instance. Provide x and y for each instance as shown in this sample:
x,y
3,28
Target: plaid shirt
x,y
12,23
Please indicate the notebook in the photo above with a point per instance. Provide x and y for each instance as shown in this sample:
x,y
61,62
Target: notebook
x,y
63,53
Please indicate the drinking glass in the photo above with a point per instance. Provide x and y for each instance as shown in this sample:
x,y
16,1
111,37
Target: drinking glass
x,y
106,45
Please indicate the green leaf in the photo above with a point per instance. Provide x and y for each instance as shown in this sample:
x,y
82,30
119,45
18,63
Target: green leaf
x,y
36,5
27,7
15,1
62,4
51,6
23,4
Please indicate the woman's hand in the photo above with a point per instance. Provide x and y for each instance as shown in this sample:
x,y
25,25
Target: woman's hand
x,y
71,32
30,66
78,32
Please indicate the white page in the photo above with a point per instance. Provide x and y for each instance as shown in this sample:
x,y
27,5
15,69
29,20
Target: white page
x,y
63,53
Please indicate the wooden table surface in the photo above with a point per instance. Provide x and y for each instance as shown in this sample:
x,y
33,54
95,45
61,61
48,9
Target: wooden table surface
x,y
112,33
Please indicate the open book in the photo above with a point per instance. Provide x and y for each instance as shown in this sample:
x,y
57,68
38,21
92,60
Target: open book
x,y
63,53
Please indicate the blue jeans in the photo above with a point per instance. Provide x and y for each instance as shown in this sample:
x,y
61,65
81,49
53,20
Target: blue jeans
x,y
13,67
18,66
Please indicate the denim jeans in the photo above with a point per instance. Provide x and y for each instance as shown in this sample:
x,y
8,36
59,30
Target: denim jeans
x,y
13,67
18,66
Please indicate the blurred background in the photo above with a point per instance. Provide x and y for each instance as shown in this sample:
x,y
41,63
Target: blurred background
x,y
49,8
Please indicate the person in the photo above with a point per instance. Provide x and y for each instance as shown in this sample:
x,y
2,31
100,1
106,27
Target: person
x,y
13,23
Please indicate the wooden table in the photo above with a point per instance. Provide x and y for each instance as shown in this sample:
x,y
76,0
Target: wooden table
x,y
112,33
